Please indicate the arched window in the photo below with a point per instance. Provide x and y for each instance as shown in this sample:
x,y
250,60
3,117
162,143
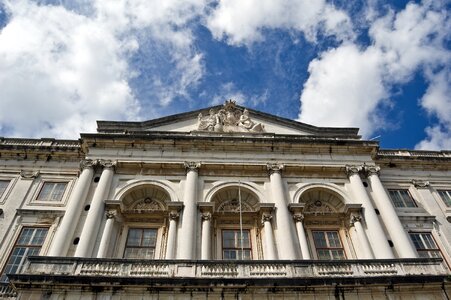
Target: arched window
x,y
143,217
326,219
236,215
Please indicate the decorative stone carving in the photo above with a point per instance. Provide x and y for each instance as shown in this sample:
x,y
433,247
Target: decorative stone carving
x,y
87,163
318,207
149,205
266,217
206,216
298,217
372,170
228,119
192,165
234,206
173,215
420,184
29,174
355,218
107,163
274,167
110,214
352,170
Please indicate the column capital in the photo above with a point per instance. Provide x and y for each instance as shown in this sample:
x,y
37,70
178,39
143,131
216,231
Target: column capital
x,y
106,163
110,214
354,219
353,170
266,217
173,215
298,217
192,166
274,168
206,216
87,163
372,170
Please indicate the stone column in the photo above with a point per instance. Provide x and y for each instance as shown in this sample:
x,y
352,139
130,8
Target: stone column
x,y
270,250
206,236
378,240
400,238
172,235
92,223
188,229
356,221
285,230
106,235
299,219
65,232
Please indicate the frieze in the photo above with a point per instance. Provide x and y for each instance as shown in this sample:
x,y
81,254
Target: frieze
x,y
228,119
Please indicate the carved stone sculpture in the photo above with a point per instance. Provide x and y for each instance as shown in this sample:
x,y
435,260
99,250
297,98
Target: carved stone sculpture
x,y
228,119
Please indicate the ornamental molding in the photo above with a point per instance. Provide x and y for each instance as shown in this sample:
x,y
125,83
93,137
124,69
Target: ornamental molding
x,y
228,119
173,215
148,204
234,206
420,184
24,174
355,218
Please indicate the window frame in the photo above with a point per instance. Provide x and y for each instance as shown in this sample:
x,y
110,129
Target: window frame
x,y
154,247
49,197
315,248
12,181
238,249
399,190
34,200
426,250
448,193
42,247
122,239
217,253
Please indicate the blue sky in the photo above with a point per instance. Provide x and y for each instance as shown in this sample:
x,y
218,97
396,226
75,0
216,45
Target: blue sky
x,y
382,67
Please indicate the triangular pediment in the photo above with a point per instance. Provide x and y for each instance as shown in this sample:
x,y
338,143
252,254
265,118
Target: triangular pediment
x,y
229,118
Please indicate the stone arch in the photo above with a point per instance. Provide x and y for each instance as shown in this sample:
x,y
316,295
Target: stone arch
x,y
145,195
321,198
226,197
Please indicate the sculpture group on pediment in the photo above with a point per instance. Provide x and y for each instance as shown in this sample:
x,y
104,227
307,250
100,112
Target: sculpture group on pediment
x,y
228,119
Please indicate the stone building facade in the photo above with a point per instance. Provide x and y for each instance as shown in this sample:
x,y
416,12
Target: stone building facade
x,y
222,203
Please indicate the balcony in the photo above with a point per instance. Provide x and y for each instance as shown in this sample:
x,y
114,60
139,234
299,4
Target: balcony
x,y
40,272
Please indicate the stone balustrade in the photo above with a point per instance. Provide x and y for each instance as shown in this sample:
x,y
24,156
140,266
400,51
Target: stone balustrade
x,y
62,266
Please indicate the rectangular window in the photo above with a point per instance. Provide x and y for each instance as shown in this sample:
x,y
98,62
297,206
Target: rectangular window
x,y
29,243
328,245
446,197
141,243
401,198
52,191
236,246
3,186
425,244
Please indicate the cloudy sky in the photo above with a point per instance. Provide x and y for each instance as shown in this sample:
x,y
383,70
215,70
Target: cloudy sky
x,y
385,68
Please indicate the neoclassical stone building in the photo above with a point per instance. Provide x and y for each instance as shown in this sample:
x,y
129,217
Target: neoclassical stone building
x,y
222,203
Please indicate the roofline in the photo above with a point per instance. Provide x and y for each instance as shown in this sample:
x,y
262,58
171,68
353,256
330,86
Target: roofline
x,y
105,126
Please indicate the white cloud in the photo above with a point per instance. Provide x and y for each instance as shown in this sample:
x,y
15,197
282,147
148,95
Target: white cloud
x,y
242,22
437,102
347,85
61,69
229,91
